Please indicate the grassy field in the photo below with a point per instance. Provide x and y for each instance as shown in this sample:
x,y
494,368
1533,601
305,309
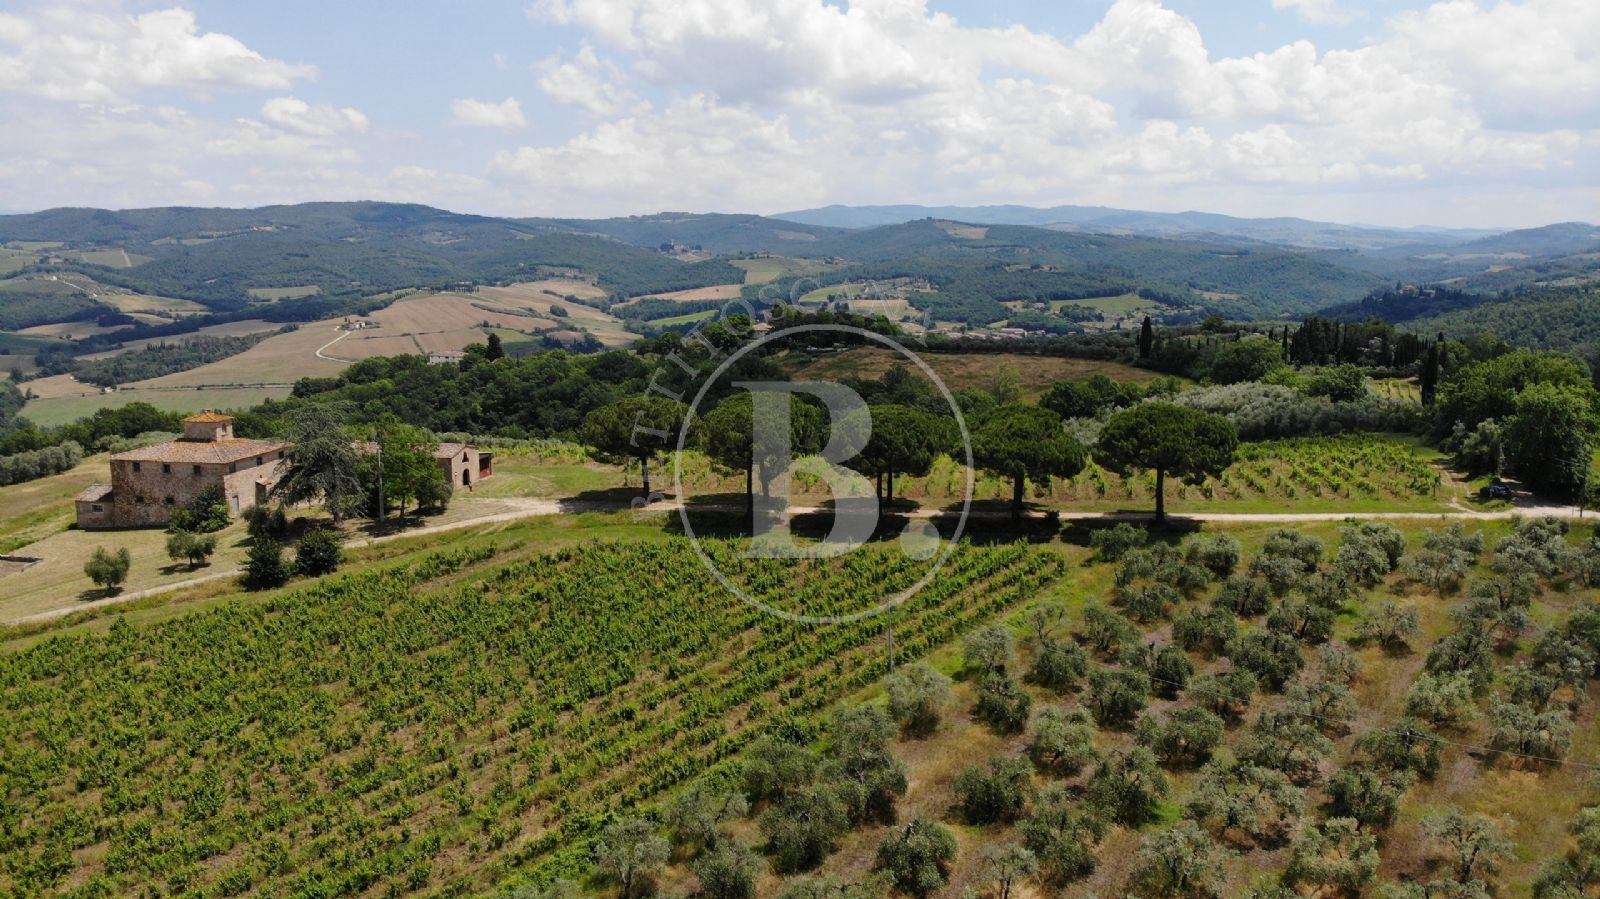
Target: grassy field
x,y
1118,306
688,319
60,410
139,302
541,295
1034,374
766,269
13,260
716,292
118,258
227,329
283,293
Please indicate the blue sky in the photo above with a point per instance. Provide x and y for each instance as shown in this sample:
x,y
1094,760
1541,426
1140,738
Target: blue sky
x,y
1456,112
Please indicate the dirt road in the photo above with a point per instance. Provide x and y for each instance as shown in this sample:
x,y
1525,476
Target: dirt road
x,y
534,508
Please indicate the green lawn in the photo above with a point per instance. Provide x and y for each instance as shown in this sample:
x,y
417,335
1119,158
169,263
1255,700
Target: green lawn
x,y
1124,305
60,410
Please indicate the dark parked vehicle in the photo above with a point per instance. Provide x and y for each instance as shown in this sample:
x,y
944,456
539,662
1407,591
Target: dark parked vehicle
x,y
1496,490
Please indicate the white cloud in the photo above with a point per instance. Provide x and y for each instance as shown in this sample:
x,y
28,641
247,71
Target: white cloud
x,y
484,114
1321,12
586,81
295,114
876,97
74,55
695,154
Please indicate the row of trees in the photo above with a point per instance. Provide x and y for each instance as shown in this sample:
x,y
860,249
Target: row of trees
x,y
1021,443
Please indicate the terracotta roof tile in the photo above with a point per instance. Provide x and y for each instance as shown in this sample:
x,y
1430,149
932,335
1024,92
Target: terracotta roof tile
x,y
95,493
210,417
197,451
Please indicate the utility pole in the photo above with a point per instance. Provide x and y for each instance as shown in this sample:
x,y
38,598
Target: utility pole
x,y
381,508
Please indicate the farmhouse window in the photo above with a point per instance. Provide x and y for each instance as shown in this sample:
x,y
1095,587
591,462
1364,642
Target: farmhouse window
x,y
97,508
194,470
166,468
169,501
233,467
135,466
258,460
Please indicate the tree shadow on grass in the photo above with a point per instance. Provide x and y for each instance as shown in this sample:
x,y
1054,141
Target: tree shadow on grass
x,y
94,594
1080,531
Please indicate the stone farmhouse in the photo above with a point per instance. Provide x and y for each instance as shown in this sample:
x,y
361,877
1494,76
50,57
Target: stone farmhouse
x,y
464,465
149,484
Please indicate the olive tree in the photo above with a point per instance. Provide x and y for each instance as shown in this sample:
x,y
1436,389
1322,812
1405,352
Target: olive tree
x,y
918,697
629,852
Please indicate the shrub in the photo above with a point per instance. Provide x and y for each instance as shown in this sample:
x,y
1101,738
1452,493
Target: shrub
x,y
802,829
1182,862
205,514
729,872
629,852
1335,854
1117,695
193,548
1244,597
1061,836
1219,555
1059,665
1107,632
1443,699
918,696
267,523
1367,795
1182,738
990,648
1111,544
108,570
265,567
1062,741
917,857
319,552
1170,670
1003,704
998,792
1264,411
1207,631
1127,787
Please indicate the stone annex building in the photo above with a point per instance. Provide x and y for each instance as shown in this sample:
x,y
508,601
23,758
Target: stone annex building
x,y
148,484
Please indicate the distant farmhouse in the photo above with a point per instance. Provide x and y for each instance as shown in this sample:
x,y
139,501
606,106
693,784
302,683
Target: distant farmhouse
x,y
446,357
463,464
149,484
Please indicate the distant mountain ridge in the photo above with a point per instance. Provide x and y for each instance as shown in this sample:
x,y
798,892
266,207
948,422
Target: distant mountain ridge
x,y
1281,230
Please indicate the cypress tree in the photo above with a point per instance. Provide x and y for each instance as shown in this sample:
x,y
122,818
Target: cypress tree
x,y
1147,339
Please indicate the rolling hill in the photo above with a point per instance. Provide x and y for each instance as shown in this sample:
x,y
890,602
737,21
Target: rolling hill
x,y
1282,230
